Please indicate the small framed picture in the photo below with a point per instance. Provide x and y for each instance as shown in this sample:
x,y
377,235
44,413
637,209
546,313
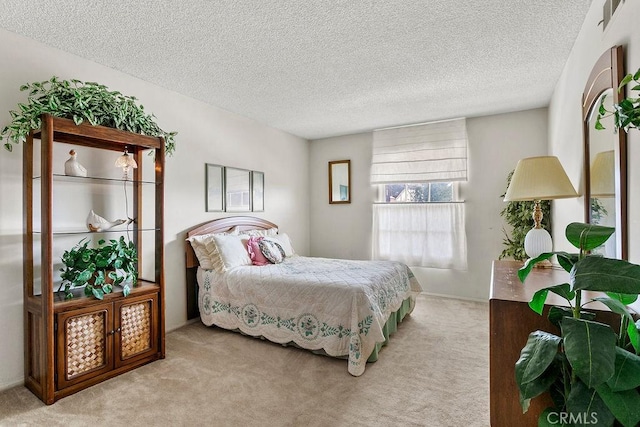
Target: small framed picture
x,y
237,189
257,191
214,184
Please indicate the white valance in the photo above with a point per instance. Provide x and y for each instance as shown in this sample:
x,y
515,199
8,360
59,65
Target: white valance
x,y
431,152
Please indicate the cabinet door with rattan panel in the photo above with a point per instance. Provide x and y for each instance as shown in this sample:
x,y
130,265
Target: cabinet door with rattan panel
x,y
136,328
84,344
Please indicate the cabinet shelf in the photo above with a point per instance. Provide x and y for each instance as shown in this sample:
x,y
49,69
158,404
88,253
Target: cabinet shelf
x,y
93,179
81,300
87,232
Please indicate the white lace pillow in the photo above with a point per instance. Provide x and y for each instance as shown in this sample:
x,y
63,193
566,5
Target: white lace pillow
x,y
205,248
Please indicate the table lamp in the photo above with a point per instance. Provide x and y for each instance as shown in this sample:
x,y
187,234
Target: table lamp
x,y
539,178
126,162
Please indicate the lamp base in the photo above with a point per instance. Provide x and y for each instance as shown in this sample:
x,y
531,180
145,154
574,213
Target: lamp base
x,y
543,264
537,241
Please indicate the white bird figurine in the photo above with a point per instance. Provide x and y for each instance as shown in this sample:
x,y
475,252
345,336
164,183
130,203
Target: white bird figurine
x,y
96,223
72,167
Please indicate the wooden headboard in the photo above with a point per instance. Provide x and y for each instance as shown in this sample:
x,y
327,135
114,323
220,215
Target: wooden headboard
x,y
219,225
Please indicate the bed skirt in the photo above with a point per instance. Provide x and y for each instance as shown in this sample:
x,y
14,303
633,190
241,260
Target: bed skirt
x,y
391,326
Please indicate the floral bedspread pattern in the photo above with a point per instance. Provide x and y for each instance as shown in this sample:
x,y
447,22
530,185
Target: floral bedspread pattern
x,y
339,306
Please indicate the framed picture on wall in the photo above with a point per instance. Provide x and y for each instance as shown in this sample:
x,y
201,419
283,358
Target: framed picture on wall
x,y
237,189
214,187
257,191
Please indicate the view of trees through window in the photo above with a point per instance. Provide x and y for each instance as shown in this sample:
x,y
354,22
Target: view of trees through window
x,y
417,193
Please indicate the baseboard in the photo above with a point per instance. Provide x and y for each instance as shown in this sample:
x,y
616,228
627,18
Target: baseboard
x,y
185,323
6,387
455,297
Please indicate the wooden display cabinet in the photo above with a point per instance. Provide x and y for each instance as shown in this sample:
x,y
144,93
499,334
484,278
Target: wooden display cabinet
x,y
73,344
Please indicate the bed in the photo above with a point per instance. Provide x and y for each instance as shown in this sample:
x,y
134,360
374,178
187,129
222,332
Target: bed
x,y
341,308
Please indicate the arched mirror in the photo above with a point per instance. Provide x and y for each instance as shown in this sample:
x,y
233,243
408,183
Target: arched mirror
x,y
605,154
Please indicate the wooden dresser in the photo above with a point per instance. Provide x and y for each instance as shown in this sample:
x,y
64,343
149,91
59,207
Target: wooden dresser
x,y
510,322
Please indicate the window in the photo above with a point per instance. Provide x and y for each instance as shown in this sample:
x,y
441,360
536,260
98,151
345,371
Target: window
x,y
418,218
428,192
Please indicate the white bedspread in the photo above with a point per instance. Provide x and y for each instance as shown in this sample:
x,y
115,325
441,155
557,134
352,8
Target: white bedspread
x,y
338,306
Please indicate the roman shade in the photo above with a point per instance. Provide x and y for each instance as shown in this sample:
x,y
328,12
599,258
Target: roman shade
x,y
431,152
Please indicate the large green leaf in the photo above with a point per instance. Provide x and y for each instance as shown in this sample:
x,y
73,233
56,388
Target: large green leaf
x,y
621,309
539,298
524,271
627,371
587,236
585,407
535,357
606,275
567,260
538,385
590,349
625,405
556,314
626,299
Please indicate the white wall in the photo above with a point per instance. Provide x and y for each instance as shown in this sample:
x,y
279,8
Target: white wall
x,y
206,135
496,143
565,121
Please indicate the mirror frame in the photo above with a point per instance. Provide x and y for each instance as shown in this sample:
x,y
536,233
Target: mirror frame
x,y
606,74
331,179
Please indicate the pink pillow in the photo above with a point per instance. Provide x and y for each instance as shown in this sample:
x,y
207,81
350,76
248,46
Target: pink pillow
x,y
254,251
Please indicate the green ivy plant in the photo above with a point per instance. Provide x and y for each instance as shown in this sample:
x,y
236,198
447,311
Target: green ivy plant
x,y
100,268
626,113
591,371
518,216
80,101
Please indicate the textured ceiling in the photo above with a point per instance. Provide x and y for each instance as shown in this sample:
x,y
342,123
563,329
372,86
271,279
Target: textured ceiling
x,y
326,67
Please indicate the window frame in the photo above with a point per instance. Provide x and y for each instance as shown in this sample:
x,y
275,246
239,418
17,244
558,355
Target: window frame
x,y
455,192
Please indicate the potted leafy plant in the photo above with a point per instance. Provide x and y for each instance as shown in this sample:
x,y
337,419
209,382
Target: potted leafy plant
x,y
626,113
591,371
80,101
100,268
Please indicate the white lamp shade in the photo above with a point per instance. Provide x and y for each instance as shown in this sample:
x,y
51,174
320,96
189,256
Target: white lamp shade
x,y
537,241
539,178
602,175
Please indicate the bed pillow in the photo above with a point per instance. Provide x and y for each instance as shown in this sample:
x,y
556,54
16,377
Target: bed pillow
x,y
284,241
232,252
260,232
205,249
271,250
253,247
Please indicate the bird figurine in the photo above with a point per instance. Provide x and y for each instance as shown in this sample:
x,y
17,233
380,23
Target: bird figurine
x,y
72,167
97,223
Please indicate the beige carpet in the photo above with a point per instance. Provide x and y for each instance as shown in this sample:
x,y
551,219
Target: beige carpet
x,y
434,373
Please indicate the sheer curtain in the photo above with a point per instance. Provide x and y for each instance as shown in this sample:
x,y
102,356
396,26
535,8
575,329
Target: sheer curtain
x,y
421,234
